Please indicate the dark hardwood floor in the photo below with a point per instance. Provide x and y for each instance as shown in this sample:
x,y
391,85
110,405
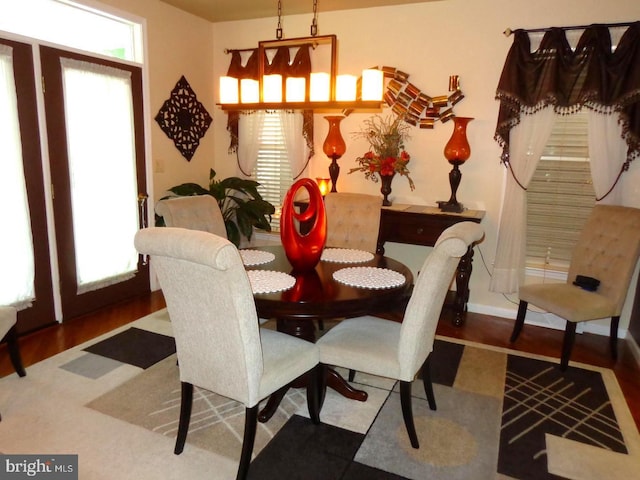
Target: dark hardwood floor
x,y
589,348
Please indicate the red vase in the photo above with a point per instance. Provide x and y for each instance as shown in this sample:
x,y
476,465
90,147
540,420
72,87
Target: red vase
x,y
303,251
334,147
456,151
457,148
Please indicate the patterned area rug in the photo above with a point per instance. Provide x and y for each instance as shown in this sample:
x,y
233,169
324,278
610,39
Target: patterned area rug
x,y
500,415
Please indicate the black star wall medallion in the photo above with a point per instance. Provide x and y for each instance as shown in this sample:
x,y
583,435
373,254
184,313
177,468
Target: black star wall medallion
x,y
184,119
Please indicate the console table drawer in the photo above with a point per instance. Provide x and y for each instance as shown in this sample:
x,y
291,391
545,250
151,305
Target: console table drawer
x,y
411,229
417,225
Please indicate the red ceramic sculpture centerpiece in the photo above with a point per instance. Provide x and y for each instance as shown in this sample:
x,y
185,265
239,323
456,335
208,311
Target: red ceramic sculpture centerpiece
x,y
303,251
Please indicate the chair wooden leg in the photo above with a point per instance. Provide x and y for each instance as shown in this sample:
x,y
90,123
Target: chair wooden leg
x,y
517,327
352,375
250,426
185,416
313,394
322,385
407,412
14,351
428,384
567,344
613,337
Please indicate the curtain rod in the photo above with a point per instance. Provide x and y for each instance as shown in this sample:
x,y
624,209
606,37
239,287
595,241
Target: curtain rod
x,y
231,50
508,31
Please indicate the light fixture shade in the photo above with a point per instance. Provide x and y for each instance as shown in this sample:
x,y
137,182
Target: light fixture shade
x,y
249,91
320,87
372,84
346,88
272,88
228,90
296,89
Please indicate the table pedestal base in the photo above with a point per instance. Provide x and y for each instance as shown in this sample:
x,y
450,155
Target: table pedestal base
x,y
334,380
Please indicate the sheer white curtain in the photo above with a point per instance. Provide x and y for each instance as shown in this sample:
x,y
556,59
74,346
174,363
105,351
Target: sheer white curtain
x,y
16,242
102,170
607,154
527,141
249,138
297,149
250,131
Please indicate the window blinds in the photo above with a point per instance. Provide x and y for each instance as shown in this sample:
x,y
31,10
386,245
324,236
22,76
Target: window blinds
x,y
560,196
272,170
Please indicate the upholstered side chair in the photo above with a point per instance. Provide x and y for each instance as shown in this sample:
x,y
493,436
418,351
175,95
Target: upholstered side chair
x,y
8,318
219,345
399,350
607,250
353,220
197,212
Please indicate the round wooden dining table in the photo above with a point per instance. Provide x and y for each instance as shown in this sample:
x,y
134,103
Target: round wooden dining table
x,y
317,295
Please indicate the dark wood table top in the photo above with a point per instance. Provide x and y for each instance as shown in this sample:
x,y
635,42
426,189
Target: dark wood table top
x,y
316,295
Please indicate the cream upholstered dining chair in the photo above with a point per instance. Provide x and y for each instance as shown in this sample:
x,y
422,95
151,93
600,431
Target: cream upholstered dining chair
x,y
607,250
398,350
8,318
353,220
196,212
219,345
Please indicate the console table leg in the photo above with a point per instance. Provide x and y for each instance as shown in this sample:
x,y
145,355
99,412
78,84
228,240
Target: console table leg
x,y
463,275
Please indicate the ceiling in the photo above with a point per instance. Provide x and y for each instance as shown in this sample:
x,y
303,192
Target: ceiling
x,y
227,10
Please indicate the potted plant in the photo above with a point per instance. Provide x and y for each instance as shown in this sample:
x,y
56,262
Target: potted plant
x,y
242,206
386,155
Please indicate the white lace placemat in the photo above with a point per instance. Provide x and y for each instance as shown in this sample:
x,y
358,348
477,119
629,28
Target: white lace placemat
x,y
345,255
255,257
369,277
268,281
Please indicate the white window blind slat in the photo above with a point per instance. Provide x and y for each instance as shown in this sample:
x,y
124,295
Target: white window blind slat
x,y
273,171
560,195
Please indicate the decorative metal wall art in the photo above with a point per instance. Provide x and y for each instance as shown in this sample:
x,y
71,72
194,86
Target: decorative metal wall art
x,y
414,106
184,119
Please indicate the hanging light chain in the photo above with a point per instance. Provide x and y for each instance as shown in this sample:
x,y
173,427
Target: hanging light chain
x,y
279,28
314,23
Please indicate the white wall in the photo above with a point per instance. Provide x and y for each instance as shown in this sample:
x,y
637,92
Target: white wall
x,y
178,43
430,41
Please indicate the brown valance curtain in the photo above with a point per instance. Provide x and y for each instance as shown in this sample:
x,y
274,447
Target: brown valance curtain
x,y
280,64
590,76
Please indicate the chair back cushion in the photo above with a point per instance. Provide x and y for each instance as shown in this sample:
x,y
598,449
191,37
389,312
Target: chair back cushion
x,y
353,220
197,212
423,311
211,307
608,250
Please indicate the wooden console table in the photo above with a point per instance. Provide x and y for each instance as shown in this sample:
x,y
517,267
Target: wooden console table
x,y
422,225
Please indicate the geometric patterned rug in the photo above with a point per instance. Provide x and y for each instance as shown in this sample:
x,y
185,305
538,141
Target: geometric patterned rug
x,y
494,412
499,415
539,399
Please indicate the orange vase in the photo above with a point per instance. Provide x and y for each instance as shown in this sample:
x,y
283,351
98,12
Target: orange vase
x,y
303,251
457,148
456,151
334,148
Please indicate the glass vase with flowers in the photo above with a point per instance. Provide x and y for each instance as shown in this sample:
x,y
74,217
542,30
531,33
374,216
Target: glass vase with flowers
x,y
386,156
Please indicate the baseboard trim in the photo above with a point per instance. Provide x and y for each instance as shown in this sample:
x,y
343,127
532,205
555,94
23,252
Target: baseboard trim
x,y
543,319
635,349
